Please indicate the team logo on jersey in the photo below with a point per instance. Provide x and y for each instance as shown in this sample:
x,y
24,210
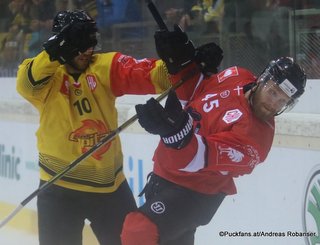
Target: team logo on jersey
x,y
128,61
232,116
230,72
65,86
77,92
239,90
158,207
225,94
123,59
89,134
253,154
234,155
92,83
237,155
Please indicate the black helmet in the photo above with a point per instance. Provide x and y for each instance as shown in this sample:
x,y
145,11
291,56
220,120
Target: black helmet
x,y
78,27
290,77
66,17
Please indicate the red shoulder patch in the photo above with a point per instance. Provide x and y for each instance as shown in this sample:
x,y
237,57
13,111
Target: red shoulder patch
x,y
230,72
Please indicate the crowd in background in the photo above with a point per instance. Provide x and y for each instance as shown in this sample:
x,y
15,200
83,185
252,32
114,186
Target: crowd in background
x,y
26,24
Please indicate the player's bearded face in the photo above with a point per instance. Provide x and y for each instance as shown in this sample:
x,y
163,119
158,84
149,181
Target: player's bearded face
x,y
82,61
268,100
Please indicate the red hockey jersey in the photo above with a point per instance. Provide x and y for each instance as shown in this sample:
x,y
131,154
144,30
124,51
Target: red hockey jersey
x,y
229,140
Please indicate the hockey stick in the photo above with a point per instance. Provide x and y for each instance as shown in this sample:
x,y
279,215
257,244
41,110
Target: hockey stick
x,y
156,15
103,141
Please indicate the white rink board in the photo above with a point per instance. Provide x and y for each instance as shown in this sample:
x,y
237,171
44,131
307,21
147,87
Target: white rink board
x,y
18,161
269,200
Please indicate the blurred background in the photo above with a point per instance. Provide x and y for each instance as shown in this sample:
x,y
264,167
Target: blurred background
x,y
250,32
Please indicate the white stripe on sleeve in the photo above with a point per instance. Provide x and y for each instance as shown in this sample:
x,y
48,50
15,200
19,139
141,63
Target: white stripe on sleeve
x,y
198,161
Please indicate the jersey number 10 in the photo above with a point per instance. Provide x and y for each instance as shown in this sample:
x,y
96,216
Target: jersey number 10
x,y
83,106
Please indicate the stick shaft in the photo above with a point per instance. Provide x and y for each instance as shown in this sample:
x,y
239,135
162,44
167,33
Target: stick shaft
x,y
10,216
156,15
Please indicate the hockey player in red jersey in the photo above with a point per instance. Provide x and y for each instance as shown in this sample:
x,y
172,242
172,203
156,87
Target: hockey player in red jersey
x,y
212,130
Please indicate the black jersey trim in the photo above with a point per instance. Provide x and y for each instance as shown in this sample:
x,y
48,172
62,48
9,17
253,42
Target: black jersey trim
x,y
78,181
31,79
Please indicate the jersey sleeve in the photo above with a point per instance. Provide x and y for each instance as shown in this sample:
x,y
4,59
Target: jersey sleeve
x,y
132,76
192,77
34,76
233,153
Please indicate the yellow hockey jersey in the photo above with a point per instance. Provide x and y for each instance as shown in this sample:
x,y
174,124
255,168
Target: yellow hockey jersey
x,y
76,114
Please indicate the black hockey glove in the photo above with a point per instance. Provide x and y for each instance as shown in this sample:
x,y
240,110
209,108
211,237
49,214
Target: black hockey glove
x,y
83,35
174,48
70,42
172,123
60,49
208,57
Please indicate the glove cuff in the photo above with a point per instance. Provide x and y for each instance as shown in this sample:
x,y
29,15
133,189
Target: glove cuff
x,y
182,137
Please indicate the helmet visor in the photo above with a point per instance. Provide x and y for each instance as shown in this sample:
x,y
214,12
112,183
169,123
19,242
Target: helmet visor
x,y
277,96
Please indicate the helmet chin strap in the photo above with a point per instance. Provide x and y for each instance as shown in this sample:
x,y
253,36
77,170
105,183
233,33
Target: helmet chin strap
x,y
252,92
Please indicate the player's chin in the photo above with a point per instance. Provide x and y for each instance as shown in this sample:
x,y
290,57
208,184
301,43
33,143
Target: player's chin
x,y
264,114
82,65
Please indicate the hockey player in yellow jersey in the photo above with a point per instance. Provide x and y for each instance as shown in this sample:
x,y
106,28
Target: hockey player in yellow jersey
x,y
74,91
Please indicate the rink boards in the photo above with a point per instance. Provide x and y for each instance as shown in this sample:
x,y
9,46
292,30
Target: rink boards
x,y
276,204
